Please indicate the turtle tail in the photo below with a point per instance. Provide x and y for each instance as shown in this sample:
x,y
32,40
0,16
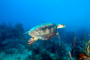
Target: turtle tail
x,y
59,39
26,32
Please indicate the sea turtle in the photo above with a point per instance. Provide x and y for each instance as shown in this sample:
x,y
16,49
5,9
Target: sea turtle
x,y
45,31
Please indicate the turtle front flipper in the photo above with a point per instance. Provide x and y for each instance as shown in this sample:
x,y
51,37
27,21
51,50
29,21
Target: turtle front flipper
x,y
32,40
58,38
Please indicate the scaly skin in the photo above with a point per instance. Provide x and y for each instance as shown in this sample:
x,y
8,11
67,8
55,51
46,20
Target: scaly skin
x,y
31,41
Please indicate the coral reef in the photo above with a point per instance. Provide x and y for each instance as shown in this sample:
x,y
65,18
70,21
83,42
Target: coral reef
x,y
13,45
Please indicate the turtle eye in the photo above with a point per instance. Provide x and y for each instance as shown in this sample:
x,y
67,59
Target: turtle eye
x,y
63,24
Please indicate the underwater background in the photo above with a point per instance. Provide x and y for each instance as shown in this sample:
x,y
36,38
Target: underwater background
x,y
19,16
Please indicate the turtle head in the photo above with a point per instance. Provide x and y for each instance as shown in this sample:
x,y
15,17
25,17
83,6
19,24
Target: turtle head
x,y
61,26
32,40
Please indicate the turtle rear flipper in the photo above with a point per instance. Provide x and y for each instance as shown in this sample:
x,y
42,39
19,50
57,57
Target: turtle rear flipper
x,y
31,41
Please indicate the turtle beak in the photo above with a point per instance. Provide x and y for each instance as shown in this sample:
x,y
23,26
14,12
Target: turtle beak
x,y
62,25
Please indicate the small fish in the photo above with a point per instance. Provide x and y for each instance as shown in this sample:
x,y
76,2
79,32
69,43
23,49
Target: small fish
x,y
42,21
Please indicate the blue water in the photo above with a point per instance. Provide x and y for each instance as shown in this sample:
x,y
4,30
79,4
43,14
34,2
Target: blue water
x,y
74,14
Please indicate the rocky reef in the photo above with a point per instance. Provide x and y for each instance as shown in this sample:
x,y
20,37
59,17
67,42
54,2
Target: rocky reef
x,y
13,45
